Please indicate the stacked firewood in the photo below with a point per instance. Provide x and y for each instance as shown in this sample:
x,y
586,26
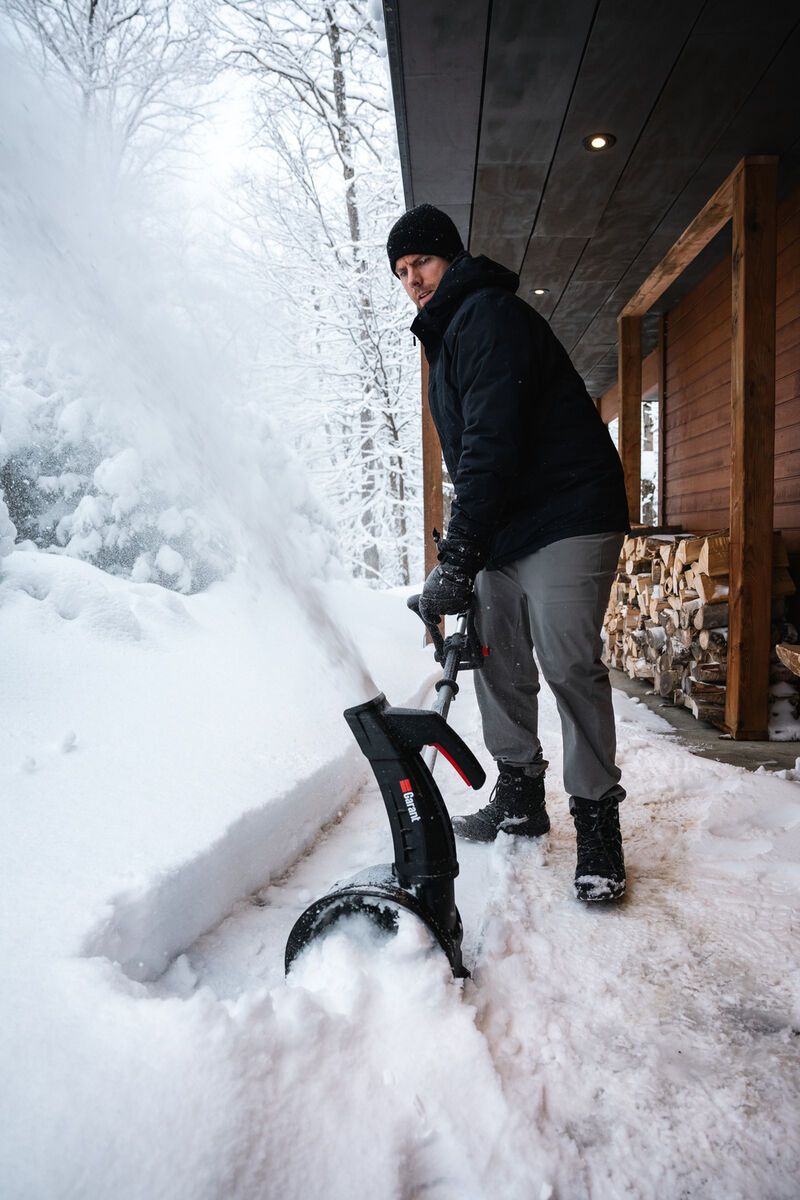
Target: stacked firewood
x,y
667,620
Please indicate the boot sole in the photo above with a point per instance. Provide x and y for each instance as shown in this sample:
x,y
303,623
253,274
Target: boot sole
x,y
614,890
492,836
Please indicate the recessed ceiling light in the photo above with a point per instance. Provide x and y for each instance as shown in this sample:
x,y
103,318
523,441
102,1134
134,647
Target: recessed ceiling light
x,y
540,291
599,141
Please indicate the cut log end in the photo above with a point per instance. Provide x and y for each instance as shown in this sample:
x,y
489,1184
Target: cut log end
x,y
789,656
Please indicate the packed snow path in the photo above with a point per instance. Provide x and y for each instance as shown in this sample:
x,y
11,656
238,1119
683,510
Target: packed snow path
x,y
645,1050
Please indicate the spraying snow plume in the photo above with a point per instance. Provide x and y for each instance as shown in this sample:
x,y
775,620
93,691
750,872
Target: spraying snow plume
x,y
130,434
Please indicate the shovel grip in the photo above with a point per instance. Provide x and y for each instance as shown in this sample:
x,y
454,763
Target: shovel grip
x,y
420,727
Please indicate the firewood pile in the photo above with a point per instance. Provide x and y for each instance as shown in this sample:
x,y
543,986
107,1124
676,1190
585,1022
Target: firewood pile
x,y
667,621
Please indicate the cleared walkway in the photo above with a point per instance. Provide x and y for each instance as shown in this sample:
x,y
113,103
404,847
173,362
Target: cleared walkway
x,y
648,1050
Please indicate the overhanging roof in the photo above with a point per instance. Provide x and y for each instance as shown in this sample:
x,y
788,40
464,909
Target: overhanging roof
x,y
493,99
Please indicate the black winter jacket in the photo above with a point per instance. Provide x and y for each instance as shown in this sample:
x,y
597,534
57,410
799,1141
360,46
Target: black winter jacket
x,y
530,458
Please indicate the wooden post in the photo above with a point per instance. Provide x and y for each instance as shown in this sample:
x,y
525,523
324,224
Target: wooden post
x,y
754,254
630,411
432,501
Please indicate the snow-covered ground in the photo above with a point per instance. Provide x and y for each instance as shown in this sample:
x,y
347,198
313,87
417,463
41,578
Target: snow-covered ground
x,y
168,763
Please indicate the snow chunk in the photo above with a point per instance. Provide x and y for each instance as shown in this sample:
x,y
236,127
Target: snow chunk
x,y
90,513
72,422
170,561
67,484
174,565
120,477
171,523
142,571
629,710
791,773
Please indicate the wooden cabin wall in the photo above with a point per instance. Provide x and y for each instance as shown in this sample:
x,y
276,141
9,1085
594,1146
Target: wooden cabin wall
x,y
697,436
697,396
787,381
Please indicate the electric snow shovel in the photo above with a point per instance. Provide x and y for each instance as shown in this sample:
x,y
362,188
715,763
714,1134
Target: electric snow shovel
x,y
421,878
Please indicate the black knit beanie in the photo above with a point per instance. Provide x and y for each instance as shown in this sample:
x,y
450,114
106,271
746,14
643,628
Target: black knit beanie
x,y
423,230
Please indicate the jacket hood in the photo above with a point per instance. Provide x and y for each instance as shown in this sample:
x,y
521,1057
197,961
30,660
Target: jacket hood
x,y
464,276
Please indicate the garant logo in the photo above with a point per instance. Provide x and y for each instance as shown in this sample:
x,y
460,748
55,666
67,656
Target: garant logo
x,y
408,796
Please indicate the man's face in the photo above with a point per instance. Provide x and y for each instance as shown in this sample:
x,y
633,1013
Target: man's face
x,y
420,275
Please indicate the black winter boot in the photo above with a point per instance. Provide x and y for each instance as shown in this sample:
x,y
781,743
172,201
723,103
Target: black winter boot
x,y
600,873
516,805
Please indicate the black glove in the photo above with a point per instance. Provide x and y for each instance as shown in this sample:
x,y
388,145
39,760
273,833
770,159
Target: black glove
x,y
448,588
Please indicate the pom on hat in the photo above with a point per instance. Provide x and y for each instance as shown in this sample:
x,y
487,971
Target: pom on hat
x,y
423,230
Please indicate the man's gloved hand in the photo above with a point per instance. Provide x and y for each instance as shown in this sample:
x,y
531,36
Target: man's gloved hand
x,y
448,588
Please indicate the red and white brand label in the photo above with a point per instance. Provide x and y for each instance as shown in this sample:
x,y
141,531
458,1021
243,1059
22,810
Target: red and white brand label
x,y
408,796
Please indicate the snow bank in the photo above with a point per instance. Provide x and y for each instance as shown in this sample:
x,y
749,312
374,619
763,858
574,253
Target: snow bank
x,y
147,927
155,730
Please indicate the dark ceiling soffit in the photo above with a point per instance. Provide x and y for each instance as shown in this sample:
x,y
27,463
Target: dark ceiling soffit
x,y
391,20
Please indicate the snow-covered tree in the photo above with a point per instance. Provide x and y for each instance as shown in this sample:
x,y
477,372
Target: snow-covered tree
x,y
75,483
318,217
133,66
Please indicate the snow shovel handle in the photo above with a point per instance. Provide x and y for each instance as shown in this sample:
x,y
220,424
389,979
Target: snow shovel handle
x,y
446,687
461,650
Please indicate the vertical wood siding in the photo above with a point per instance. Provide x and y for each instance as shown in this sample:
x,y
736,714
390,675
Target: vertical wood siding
x,y
787,378
697,403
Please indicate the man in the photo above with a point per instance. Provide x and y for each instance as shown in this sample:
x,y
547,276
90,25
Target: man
x,y
538,518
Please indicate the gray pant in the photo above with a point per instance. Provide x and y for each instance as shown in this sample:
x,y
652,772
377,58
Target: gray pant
x,y
553,599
